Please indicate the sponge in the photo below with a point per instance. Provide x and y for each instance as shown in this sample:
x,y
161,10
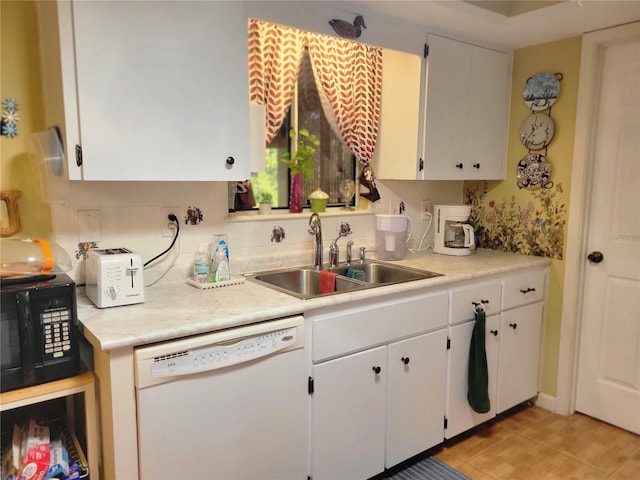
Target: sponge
x,y
357,274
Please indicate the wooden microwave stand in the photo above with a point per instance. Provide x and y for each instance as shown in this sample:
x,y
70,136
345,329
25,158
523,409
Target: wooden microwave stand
x,y
66,388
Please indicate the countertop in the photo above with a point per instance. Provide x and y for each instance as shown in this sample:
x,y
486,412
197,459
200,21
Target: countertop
x,y
174,309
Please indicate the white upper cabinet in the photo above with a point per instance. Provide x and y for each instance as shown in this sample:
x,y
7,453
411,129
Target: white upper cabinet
x,y
444,117
466,111
154,90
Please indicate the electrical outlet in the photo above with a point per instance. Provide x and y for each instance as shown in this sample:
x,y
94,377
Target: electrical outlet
x,y
168,227
426,209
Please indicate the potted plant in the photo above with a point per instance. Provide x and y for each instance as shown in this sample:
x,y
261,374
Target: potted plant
x,y
301,163
265,199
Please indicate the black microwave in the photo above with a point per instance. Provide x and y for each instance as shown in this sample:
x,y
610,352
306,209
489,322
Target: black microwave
x,y
39,337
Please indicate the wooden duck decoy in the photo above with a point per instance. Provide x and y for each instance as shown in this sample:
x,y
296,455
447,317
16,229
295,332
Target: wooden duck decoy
x,y
346,29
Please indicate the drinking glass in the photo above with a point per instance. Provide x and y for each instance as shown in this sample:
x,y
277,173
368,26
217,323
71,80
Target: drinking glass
x,y
347,190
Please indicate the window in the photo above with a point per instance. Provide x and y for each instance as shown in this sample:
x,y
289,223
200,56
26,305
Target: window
x,y
334,161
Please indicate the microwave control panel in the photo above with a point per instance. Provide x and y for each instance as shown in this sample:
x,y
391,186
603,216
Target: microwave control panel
x,y
56,331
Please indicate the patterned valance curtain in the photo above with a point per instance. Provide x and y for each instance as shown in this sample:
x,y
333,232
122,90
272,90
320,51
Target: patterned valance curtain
x,y
349,78
275,52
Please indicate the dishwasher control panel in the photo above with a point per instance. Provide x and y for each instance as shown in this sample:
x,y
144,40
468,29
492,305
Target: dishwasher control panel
x,y
221,356
164,362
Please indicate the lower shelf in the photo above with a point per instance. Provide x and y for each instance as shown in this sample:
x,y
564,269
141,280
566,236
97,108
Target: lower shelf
x,y
60,426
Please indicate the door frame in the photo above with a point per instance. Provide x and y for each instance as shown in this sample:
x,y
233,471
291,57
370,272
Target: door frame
x,y
593,45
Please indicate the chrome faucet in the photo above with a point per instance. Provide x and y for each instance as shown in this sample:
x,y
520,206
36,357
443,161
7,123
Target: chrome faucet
x,y
315,228
362,253
334,251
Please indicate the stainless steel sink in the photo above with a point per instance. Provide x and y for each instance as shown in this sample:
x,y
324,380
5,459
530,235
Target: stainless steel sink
x,y
303,282
380,273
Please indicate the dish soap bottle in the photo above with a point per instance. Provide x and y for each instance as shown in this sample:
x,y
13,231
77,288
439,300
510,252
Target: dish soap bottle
x,y
201,265
220,260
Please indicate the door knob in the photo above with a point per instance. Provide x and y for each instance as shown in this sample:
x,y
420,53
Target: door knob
x,y
595,257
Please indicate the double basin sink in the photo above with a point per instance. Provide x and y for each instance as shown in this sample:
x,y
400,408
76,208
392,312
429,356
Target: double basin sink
x,y
304,282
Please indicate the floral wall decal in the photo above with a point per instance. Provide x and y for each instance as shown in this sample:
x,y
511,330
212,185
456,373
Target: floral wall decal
x,y
194,216
534,228
83,248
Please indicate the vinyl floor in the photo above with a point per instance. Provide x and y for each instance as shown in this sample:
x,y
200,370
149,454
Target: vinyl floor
x,y
535,444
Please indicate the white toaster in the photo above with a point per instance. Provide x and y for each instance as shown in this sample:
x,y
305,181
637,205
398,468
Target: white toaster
x,y
114,277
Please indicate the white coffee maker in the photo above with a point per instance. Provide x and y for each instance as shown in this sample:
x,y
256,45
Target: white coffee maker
x,y
453,235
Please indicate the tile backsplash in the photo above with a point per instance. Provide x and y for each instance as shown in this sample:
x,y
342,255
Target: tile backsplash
x,y
133,215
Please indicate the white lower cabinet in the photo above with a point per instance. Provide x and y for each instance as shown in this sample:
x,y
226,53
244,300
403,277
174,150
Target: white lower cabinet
x,y
374,409
389,378
416,395
384,403
513,334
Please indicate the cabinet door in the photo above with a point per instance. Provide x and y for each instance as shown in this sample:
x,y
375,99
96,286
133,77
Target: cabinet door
x,y
162,90
460,416
348,416
416,395
396,154
447,103
467,105
519,355
488,115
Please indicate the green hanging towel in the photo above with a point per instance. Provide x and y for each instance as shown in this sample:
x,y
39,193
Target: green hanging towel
x,y
478,376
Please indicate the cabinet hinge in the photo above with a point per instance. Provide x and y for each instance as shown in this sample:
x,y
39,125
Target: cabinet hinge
x,y
446,422
426,50
79,155
421,168
448,343
310,385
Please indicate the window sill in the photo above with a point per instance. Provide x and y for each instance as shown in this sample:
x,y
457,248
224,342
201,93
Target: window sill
x,y
254,216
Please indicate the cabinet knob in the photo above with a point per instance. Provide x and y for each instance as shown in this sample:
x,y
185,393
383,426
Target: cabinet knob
x,y
377,370
405,360
459,165
476,165
494,332
229,162
595,257
513,325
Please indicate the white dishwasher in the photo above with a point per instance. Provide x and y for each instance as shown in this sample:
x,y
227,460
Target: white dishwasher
x,y
226,405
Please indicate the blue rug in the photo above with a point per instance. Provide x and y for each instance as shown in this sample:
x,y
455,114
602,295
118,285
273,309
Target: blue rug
x,y
429,468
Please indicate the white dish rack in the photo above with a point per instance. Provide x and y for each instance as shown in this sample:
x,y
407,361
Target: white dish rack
x,y
234,280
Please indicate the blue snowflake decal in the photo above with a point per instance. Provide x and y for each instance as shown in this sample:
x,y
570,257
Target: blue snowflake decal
x,y
9,129
10,104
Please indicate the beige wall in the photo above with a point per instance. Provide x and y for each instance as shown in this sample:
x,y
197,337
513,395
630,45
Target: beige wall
x,y
500,198
20,79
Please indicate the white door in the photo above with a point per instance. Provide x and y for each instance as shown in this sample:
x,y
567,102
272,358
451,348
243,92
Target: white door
x,y
608,384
